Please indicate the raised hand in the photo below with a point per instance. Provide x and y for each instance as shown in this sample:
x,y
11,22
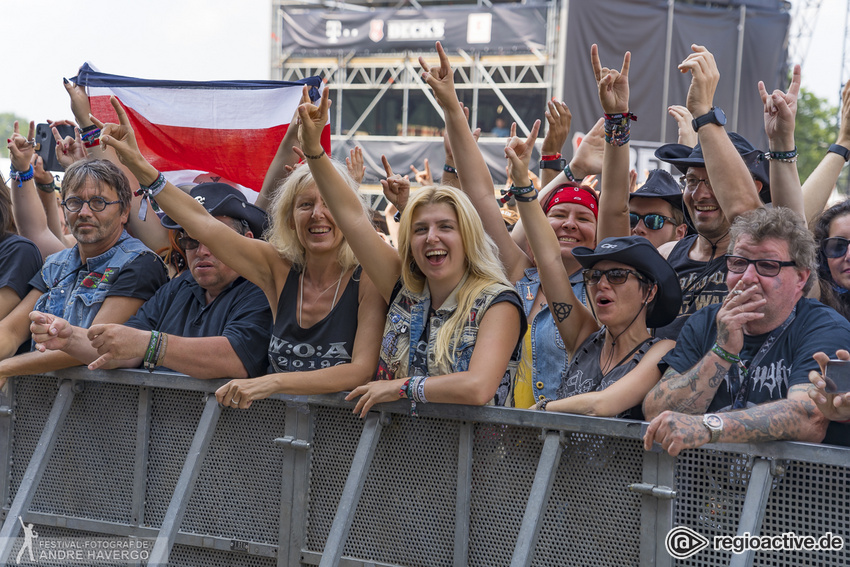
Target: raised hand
x,y
780,111
70,149
21,149
558,119
120,137
396,188
519,152
613,85
704,78
311,122
588,157
354,163
424,176
440,78
80,105
684,119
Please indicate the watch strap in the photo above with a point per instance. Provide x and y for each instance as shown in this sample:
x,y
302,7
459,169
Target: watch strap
x,y
713,431
558,164
840,150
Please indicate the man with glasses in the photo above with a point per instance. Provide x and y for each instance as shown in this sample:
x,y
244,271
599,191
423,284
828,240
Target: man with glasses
x,y
655,210
104,278
207,322
739,370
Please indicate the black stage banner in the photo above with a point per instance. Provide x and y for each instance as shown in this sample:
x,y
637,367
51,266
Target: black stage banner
x,y
499,28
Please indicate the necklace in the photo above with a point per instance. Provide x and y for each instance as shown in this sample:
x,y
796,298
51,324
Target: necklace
x,y
301,293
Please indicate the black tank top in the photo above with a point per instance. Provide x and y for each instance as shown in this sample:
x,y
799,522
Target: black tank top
x,y
327,343
703,284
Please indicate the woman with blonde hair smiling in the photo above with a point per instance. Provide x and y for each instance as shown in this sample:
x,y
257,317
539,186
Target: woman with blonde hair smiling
x,y
454,323
327,314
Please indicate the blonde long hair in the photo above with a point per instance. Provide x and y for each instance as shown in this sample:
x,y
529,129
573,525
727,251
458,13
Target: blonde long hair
x,y
483,268
283,237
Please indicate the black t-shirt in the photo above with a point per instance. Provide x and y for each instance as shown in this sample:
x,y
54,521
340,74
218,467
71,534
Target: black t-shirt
x,y
240,313
815,327
19,262
703,284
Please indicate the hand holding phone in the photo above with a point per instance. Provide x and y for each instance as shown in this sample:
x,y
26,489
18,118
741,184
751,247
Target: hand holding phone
x,y
837,376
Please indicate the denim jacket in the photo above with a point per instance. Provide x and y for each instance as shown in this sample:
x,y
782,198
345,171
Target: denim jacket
x,y
549,356
76,292
406,321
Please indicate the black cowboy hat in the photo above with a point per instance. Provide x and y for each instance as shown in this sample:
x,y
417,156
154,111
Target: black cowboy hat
x,y
683,157
639,253
660,184
220,199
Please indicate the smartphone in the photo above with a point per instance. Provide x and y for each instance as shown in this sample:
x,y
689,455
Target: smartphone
x,y
837,376
45,145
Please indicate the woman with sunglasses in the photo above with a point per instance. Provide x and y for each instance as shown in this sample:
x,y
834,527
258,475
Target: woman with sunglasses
x,y
832,232
327,313
629,285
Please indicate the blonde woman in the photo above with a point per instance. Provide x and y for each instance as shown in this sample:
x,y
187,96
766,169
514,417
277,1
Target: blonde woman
x,y
327,314
453,327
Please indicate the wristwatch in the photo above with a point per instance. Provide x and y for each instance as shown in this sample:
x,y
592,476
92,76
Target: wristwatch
x,y
840,150
713,116
558,164
714,424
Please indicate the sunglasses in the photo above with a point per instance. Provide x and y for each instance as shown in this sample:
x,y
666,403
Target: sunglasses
x,y
834,247
187,243
652,221
96,204
615,276
766,268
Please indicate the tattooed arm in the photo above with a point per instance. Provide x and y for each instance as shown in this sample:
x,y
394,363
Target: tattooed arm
x,y
793,419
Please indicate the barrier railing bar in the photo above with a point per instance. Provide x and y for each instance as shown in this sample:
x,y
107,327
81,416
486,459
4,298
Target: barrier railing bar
x,y
464,490
755,504
313,558
294,488
656,514
6,428
143,426
541,488
35,469
185,484
353,489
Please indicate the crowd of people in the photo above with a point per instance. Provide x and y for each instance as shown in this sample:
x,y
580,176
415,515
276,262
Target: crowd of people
x,y
703,304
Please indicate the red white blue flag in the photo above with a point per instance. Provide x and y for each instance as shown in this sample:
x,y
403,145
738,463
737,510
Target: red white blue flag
x,y
200,131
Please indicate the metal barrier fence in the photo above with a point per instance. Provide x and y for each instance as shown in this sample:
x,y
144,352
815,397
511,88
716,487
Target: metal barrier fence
x,y
299,480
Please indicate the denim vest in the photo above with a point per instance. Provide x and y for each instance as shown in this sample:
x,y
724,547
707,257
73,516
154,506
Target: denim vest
x,y
406,321
549,356
76,292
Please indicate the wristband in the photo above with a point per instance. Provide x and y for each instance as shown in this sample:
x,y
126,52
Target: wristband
x,y
449,169
148,192
569,173
317,156
88,128
397,216
728,356
21,176
551,157
784,157
840,150
521,193
47,187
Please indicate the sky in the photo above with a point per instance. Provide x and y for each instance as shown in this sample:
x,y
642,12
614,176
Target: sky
x,y
208,40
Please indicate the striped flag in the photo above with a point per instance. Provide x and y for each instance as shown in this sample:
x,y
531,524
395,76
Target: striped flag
x,y
200,131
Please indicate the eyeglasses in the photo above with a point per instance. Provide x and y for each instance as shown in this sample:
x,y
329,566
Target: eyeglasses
x,y
96,204
187,243
615,276
834,247
766,268
652,221
692,182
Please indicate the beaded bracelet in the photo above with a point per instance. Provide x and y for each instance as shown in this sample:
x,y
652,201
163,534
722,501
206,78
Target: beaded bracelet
x,y
449,169
541,405
148,192
21,176
617,128
784,157
317,156
47,187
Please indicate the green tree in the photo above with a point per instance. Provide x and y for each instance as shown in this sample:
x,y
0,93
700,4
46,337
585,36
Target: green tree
x,y
816,129
7,124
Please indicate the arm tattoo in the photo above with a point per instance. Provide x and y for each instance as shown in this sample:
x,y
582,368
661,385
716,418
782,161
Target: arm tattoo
x,y
719,374
561,311
722,334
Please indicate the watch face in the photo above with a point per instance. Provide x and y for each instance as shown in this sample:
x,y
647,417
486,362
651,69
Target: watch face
x,y
714,421
719,116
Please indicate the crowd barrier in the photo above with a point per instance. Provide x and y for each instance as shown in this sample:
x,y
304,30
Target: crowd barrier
x,y
300,480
